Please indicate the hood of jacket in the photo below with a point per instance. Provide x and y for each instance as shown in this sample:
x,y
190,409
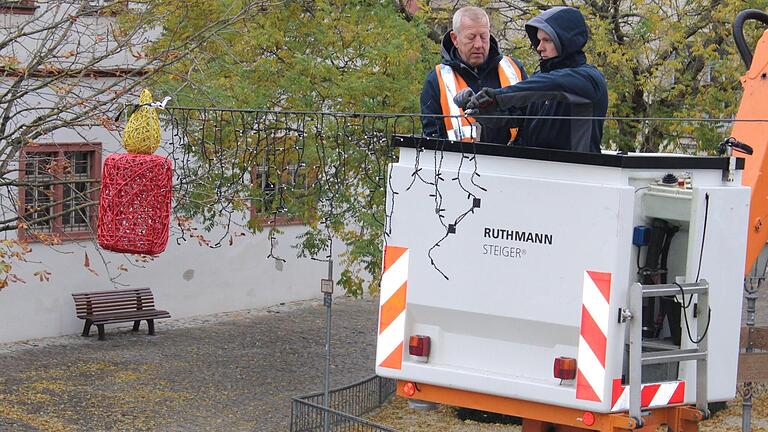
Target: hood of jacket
x,y
568,30
451,56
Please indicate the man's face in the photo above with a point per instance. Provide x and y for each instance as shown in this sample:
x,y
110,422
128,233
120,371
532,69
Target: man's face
x,y
546,48
473,41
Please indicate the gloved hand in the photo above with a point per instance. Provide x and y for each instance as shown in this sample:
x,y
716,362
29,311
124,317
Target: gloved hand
x,y
483,101
485,109
463,97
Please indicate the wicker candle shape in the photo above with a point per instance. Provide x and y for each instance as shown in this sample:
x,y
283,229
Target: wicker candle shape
x,y
142,133
135,203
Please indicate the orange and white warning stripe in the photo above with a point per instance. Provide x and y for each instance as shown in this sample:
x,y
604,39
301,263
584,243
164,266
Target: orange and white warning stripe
x,y
593,339
394,285
651,395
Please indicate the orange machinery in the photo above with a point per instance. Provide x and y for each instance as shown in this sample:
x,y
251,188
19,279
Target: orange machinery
x,y
753,132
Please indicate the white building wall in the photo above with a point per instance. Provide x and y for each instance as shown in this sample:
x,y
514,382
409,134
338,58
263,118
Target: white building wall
x,y
187,280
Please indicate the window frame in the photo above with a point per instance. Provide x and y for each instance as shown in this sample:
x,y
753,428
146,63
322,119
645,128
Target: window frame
x,y
57,228
102,8
22,7
259,178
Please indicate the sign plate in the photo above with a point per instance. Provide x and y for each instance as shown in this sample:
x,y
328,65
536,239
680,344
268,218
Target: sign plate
x,y
326,286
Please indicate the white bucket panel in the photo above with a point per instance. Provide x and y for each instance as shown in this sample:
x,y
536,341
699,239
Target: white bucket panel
x,y
504,296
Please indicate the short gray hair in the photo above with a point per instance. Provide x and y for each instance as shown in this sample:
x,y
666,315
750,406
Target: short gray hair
x,y
472,13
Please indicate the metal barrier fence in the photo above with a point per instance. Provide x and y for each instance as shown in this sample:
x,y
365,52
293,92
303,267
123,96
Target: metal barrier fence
x,y
346,405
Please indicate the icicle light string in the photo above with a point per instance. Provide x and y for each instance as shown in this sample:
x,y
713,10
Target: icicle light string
x,y
410,116
275,165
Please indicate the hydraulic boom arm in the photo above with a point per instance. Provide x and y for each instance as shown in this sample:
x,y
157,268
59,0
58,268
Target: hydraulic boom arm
x,y
754,133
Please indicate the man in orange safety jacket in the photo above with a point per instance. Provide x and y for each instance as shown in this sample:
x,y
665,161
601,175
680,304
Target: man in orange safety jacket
x,y
471,58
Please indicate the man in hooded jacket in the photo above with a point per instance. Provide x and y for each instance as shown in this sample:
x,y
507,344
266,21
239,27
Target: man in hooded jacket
x,y
471,58
566,86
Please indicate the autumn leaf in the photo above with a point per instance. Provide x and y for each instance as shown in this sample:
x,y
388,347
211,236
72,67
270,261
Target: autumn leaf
x,y
43,275
15,278
87,264
108,123
9,61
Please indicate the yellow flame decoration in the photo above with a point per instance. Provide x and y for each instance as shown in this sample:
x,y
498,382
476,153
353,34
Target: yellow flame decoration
x,y
142,133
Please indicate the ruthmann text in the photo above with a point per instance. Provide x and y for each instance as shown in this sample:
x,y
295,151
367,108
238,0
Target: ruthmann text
x,y
518,236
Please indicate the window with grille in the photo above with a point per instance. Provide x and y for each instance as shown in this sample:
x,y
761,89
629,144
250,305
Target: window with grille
x,y
59,190
21,7
276,189
94,6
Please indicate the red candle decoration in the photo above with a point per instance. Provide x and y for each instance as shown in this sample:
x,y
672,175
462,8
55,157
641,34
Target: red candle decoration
x,y
135,197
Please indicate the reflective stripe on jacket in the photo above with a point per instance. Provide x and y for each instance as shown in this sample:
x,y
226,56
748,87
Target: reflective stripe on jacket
x,y
457,125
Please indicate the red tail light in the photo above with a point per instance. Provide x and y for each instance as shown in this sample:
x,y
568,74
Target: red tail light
x,y
409,389
419,346
588,418
565,368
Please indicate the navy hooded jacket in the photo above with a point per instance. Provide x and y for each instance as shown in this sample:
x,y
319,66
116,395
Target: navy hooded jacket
x,y
484,75
566,86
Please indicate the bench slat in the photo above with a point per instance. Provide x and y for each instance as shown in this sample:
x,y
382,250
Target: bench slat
x,y
114,295
124,320
86,311
117,321
123,313
135,311
112,298
109,299
97,300
115,307
112,292
115,300
125,317
131,301
752,367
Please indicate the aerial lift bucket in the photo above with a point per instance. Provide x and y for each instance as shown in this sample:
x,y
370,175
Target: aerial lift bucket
x,y
443,319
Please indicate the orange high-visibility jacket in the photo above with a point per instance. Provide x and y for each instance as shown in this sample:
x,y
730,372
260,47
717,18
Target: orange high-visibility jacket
x,y
459,127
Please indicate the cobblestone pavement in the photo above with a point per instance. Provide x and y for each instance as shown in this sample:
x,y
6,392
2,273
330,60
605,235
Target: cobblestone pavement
x,y
226,372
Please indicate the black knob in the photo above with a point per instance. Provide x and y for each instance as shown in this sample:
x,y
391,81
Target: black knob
x,y
669,178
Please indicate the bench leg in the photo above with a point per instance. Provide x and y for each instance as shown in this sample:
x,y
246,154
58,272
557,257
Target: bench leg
x,y
151,324
136,325
101,331
87,328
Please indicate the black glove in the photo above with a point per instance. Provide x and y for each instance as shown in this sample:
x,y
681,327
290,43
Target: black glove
x,y
485,110
483,102
463,97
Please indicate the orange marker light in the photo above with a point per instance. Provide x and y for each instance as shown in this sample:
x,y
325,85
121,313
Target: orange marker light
x,y
409,389
588,418
565,368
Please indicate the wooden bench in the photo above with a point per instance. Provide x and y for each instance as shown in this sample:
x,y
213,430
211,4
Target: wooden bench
x,y
753,366
117,306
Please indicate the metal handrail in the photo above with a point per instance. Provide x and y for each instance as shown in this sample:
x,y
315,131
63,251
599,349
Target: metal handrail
x,y
308,413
